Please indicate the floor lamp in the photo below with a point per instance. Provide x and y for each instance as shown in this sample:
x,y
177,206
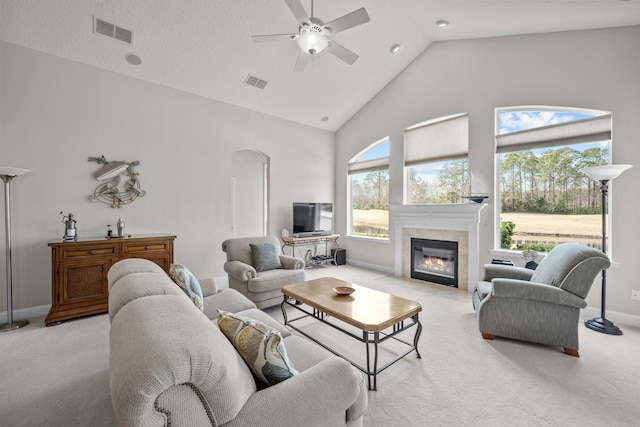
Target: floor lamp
x,y
7,174
604,174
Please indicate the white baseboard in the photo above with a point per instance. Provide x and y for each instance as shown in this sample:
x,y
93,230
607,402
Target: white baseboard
x,y
374,267
615,316
26,313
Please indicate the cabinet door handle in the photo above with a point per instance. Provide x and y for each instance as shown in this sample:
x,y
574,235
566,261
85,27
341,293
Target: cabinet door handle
x,y
91,252
146,248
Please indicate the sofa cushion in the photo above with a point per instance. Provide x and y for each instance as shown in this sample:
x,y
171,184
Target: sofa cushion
x,y
185,279
261,347
265,256
228,300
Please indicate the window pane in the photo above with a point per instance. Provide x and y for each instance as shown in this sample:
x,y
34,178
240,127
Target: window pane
x,y
438,182
370,204
545,199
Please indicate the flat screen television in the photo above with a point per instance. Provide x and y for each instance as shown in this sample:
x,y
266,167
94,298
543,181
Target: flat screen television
x,y
310,218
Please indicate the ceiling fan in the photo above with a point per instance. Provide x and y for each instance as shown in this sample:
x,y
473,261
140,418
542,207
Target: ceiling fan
x,y
313,34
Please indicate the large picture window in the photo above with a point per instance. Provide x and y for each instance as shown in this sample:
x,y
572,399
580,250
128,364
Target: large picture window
x,y
544,198
369,191
435,160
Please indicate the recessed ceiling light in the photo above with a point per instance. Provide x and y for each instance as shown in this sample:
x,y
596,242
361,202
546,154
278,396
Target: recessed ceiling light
x,y
324,119
442,23
133,59
395,48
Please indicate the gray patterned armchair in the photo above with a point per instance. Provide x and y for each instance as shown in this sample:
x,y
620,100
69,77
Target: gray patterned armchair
x,y
541,305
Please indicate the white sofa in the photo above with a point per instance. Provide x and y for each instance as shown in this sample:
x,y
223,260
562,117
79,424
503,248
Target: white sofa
x,y
170,365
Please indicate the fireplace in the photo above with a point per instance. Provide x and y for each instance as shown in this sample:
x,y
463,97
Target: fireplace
x,y
435,261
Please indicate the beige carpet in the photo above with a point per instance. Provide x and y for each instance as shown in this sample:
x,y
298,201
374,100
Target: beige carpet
x,y
58,376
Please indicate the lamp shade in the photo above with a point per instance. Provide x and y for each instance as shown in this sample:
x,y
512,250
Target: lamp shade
x,y
11,171
606,172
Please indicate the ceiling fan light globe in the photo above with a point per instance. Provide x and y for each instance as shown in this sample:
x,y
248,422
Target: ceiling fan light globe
x,y
312,42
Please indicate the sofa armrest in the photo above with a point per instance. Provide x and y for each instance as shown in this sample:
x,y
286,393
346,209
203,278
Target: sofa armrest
x,y
493,271
239,270
522,289
208,286
323,392
291,263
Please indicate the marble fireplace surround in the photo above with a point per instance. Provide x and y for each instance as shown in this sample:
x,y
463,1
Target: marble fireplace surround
x,y
454,222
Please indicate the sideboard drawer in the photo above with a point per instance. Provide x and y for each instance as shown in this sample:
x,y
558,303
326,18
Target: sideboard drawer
x,y
90,251
136,249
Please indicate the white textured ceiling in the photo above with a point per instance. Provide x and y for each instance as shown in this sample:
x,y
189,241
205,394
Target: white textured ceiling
x,y
205,47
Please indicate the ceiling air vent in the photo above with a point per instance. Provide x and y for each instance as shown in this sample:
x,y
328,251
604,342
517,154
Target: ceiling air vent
x,y
255,82
110,30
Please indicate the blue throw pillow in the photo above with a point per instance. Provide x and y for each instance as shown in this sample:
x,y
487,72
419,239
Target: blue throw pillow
x,y
188,283
265,256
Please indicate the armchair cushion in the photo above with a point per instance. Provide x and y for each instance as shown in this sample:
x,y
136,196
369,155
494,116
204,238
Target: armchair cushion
x,y
261,347
265,256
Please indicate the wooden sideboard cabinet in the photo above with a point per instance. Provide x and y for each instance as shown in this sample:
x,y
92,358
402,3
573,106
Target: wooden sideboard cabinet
x,y
79,269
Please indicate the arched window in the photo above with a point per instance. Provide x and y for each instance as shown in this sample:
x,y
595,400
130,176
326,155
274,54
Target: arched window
x,y
369,191
544,199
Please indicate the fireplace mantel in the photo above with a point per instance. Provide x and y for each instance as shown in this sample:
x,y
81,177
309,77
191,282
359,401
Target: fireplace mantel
x,y
460,217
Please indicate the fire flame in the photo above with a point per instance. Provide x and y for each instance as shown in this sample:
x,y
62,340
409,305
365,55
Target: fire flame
x,y
437,264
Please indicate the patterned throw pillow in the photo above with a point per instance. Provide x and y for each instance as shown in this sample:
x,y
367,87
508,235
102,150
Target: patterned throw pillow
x,y
261,347
265,256
188,283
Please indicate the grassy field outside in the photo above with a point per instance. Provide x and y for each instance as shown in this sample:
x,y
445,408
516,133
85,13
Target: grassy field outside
x,y
534,224
529,226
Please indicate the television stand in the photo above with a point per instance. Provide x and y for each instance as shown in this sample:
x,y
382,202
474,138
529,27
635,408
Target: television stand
x,y
312,234
294,242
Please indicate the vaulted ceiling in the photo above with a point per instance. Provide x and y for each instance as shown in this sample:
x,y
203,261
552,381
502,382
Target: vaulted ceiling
x,y
205,47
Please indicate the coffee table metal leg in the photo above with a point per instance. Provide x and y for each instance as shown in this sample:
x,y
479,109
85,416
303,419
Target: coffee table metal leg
x,y
376,340
417,336
284,310
372,371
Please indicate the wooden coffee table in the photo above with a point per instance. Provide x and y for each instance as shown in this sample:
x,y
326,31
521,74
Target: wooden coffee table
x,y
378,315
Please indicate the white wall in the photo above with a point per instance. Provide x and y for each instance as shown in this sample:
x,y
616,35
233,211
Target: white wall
x,y
56,113
597,69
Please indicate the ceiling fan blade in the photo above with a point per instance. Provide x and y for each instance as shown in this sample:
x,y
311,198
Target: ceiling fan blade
x,y
272,37
341,52
298,11
302,61
349,20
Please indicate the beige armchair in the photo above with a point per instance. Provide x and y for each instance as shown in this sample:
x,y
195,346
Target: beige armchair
x,y
261,276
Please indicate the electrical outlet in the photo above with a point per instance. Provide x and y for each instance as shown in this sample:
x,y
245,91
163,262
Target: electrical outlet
x,y
635,294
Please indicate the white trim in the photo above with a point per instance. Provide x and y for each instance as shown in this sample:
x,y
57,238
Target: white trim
x,y
367,239
26,313
617,317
